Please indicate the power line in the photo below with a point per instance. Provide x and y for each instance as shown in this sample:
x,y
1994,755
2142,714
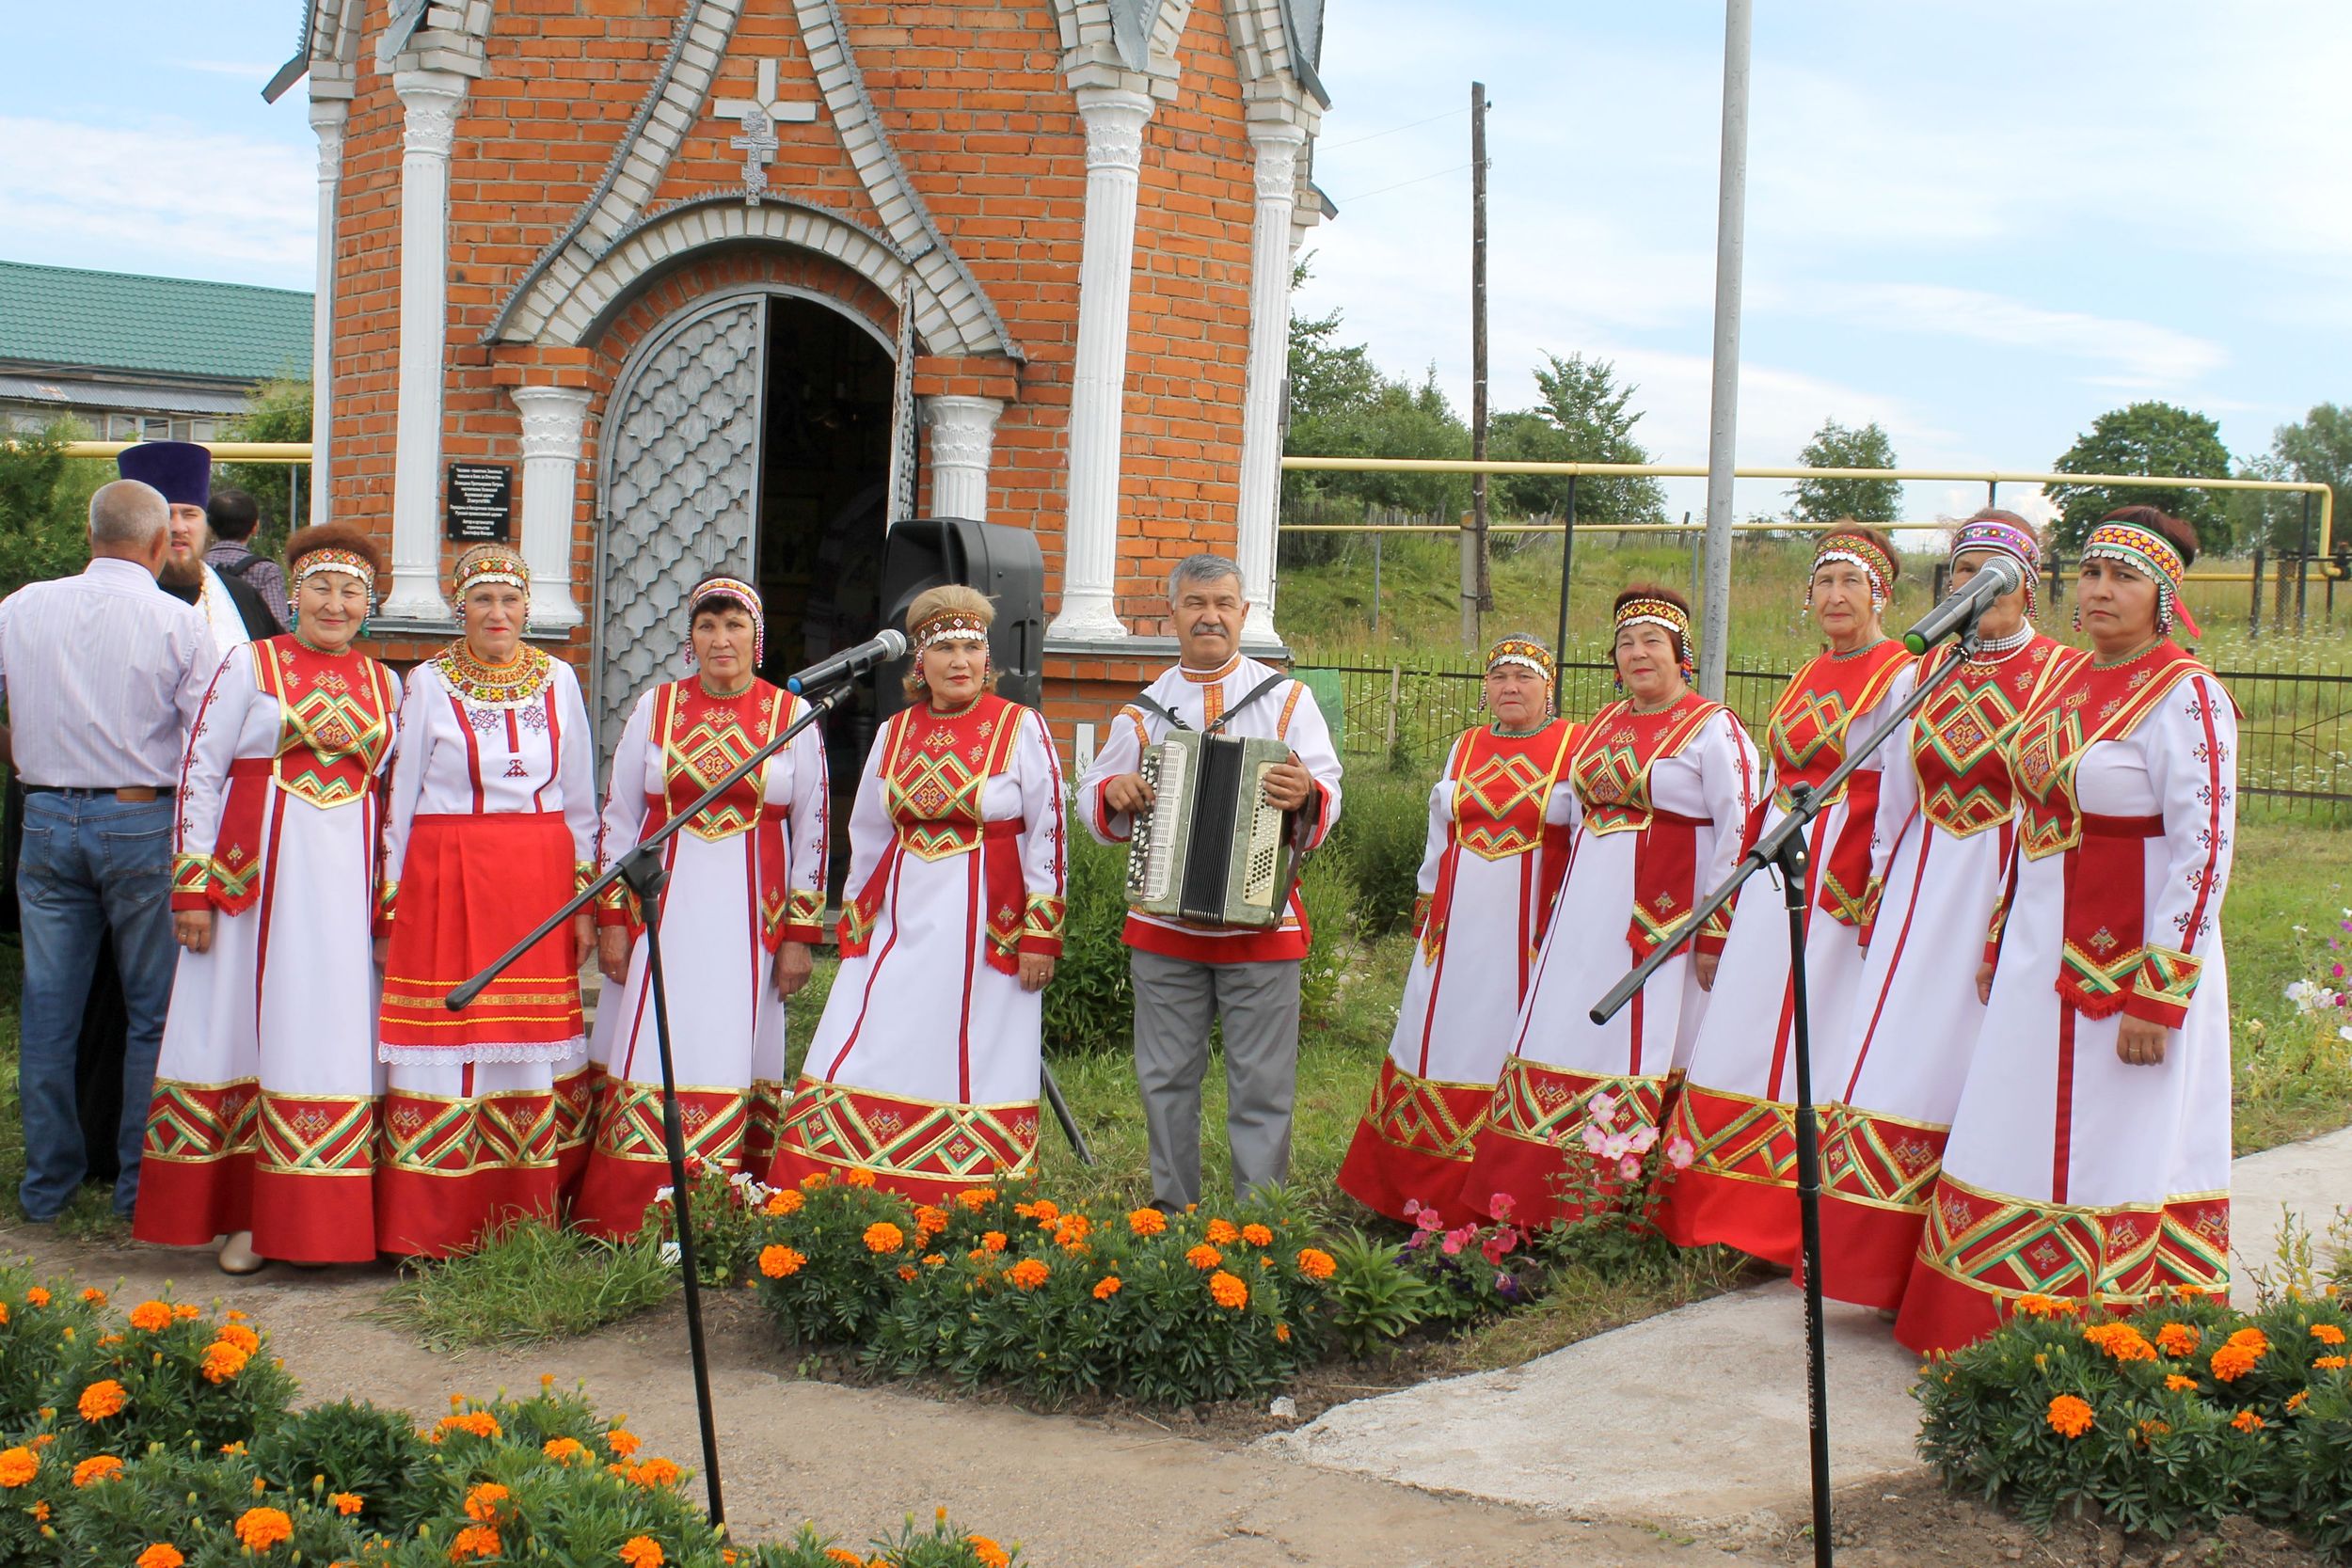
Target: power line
x,y
1417,179
1358,141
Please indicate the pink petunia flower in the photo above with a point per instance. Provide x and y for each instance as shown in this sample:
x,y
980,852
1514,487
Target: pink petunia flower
x,y
1629,1167
1456,1239
1679,1153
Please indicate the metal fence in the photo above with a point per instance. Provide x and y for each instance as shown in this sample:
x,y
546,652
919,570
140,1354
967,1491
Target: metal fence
x,y
2295,733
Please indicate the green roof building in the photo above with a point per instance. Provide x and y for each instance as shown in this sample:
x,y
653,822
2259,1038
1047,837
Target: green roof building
x,y
137,358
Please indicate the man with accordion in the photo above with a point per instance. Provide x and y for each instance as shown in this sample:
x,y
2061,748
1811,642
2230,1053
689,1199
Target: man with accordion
x,y
1215,925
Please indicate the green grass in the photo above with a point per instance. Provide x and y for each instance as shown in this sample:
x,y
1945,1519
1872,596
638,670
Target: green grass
x,y
90,1215
2289,887
527,1285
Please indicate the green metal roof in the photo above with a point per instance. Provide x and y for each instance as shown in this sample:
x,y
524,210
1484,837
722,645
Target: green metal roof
x,y
122,321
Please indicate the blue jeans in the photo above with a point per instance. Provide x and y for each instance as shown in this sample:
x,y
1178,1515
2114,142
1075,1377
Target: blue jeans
x,y
90,862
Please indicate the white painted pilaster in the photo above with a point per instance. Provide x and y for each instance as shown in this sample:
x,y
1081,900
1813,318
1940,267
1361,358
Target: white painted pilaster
x,y
963,432
1276,146
326,117
553,417
1114,118
431,100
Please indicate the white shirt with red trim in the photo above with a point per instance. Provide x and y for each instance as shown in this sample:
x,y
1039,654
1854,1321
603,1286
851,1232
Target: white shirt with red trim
x,y
1200,697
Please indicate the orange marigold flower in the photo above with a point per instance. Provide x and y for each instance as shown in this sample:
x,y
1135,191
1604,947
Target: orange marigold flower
x,y
990,1554
976,1198
1257,1235
17,1467
883,1236
2297,1399
1045,1211
187,1311
482,1502
160,1555
345,1503
1027,1275
2122,1342
622,1443
475,1540
1223,1232
1107,1287
2178,1339
2069,1417
4,1311
36,1296
1228,1291
2331,1363
642,1551
978,1255
260,1529
2236,1359
1282,1334
2180,1385
481,1423
1315,1263
781,1263
933,1260
2327,1334
97,1468
1203,1256
2190,1292
781,1204
2245,1421
929,1221
2152,1428
2037,1306
1076,1226
656,1472
992,1240
101,1399
241,1336
843,1555
856,1176
223,1361
906,1273
95,1296
1146,1222
814,1180
151,1316
564,1449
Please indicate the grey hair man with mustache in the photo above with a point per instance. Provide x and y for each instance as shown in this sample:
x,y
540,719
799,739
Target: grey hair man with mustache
x,y
1185,974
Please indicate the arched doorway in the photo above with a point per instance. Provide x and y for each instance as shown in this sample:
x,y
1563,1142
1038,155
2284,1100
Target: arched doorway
x,y
750,433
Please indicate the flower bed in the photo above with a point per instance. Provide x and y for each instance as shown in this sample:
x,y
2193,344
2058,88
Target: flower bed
x,y
2181,1414
162,1436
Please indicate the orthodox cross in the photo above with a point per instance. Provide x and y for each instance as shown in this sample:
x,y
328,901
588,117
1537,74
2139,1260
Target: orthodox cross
x,y
759,115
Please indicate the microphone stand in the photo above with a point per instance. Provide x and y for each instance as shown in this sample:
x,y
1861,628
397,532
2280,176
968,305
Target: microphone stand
x,y
643,871
1783,846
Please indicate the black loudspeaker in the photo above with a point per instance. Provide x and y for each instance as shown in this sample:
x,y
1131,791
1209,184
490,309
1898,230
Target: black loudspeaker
x,y
1001,561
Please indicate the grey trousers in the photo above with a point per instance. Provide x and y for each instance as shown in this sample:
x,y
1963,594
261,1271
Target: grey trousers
x,y
1175,998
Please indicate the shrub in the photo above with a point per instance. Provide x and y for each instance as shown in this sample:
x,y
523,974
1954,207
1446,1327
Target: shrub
x,y
1379,840
1091,1004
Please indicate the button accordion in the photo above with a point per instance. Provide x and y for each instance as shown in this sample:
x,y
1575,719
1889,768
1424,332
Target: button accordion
x,y
1210,850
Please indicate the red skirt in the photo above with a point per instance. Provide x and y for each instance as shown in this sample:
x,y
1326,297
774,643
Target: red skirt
x,y
471,887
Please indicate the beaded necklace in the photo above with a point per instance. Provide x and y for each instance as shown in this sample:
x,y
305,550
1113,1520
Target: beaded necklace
x,y
514,684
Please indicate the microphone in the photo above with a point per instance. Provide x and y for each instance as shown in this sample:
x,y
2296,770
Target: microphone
x,y
1963,607
881,648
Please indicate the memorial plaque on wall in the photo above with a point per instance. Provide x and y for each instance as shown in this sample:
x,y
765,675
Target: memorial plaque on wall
x,y
481,503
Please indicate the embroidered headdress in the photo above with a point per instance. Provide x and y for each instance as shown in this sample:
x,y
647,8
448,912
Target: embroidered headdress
x,y
2003,533
1645,605
1523,653
949,625
489,563
728,588
2145,550
331,547
1856,548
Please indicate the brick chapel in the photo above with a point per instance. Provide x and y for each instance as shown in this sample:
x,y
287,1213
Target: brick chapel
x,y
738,283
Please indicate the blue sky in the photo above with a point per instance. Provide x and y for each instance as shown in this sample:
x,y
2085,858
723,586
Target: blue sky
x,y
1979,223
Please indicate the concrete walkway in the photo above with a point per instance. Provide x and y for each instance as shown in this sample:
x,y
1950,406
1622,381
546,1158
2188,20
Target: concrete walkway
x,y
1696,1420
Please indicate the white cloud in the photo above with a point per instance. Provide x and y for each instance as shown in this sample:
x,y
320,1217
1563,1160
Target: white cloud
x,y
2144,354
168,199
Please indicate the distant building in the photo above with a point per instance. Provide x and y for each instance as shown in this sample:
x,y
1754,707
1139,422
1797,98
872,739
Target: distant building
x,y
141,358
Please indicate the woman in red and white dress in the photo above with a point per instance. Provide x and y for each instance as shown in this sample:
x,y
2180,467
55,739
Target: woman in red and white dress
x,y
2089,1155
1663,780
925,1068
1941,851
744,904
263,1126
1734,1110
491,826
1497,849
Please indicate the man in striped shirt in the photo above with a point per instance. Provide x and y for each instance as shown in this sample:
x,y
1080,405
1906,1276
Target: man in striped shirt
x,y
101,674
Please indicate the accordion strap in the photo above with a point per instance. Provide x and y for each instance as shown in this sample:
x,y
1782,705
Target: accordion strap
x,y
1153,706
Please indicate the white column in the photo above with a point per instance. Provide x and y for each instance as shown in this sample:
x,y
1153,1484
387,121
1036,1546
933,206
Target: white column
x,y
430,98
327,119
1114,121
963,431
552,417
1277,147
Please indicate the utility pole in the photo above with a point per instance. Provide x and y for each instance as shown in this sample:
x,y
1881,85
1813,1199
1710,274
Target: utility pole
x,y
1478,594
1723,411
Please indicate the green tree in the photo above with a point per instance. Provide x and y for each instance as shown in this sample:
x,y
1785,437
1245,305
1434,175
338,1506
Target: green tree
x,y
2146,439
1584,417
2319,450
1865,501
276,411
44,504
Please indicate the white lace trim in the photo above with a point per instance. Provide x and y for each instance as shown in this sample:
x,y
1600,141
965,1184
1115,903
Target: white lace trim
x,y
497,1050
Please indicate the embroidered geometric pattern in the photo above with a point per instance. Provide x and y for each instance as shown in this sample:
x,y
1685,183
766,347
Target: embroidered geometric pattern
x,y
191,875
1541,1105
1045,917
434,1136
316,1135
1807,734
201,1122
331,737
703,740
2102,977
914,1138
1490,802
575,1109
1613,758
2006,1246
1440,1120
1956,748
2051,738
934,789
1879,1160
1736,1136
2166,978
713,1123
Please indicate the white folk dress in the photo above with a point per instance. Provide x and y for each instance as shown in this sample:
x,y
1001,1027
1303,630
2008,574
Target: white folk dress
x,y
1735,1108
491,825
1661,800
923,1070
2069,1171
745,876
1496,847
1940,854
264,1109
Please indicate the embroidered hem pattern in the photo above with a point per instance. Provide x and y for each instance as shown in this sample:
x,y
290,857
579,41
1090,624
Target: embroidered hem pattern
x,y
1414,1143
1534,1132
911,1146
